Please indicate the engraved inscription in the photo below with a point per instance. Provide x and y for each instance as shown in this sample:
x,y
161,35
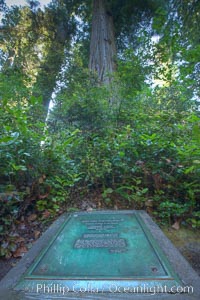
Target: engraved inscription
x,y
103,221
100,243
104,224
100,227
100,235
99,238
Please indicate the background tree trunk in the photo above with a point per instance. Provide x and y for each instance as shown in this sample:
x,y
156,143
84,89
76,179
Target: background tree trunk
x,y
102,44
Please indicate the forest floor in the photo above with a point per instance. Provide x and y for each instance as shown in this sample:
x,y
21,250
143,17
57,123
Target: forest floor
x,y
187,241
29,229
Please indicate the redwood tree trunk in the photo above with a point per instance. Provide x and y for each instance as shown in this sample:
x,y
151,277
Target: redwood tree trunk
x,y
102,44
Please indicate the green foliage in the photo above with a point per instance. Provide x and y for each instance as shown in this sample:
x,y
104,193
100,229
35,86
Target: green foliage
x,y
152,154
22,161
195,220
20,139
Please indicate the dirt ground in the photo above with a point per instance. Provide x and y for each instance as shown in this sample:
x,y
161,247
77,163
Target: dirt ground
x,y
188,243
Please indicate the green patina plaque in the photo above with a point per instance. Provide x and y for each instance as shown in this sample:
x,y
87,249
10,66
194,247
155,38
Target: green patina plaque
x,y
102,251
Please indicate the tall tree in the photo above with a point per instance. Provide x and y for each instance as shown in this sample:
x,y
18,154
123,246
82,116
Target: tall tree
x,y
36,41
102,44
115,22
33,42
57,30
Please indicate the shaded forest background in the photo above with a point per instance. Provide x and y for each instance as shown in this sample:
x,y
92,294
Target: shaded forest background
x,y
132,141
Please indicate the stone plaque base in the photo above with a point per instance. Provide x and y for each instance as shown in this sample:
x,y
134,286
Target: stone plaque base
x,y
101,253
101,250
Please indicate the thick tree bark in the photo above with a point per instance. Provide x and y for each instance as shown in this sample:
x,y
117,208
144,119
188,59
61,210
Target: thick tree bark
x,y
102,44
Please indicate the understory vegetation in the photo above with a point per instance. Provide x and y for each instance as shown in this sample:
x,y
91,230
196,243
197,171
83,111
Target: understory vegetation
x,y
141,152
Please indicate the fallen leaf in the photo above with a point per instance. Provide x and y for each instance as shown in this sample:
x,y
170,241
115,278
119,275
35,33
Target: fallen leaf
x,y
46,214
41,179
149,210
20,251
168,160
32,217
176,225
36,234
43,196
19,239
149,203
